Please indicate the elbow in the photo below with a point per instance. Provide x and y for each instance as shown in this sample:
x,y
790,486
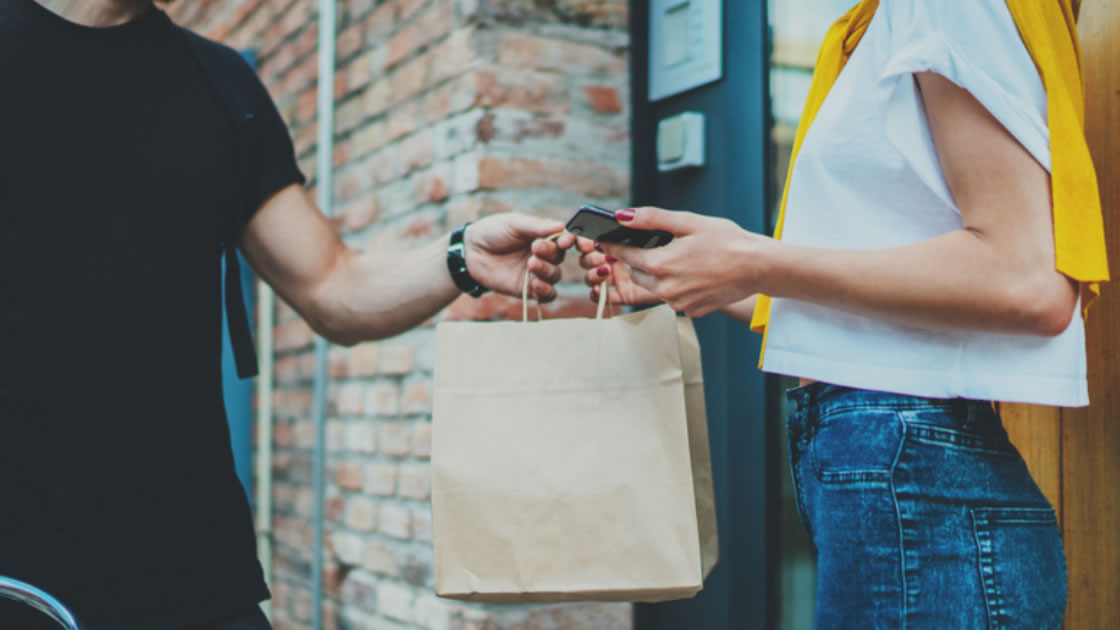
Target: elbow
x,y
1046,304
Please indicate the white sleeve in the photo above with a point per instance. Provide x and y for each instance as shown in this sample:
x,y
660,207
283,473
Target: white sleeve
x,y
976,45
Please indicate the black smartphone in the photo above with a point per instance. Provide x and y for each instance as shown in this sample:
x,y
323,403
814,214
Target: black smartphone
x,y
599,224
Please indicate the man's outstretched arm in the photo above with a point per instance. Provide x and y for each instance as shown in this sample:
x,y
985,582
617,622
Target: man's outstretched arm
x,y
349,297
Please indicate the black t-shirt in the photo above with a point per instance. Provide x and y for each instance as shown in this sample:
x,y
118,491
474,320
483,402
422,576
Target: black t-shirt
x,y
120,175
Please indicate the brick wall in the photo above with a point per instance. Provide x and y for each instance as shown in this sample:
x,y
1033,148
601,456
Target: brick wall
x,y
446,111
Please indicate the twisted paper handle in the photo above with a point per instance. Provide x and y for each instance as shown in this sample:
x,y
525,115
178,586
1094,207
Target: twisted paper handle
x,y
604,291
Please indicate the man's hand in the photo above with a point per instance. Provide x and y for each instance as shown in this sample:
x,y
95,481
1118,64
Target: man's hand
x,y
499,248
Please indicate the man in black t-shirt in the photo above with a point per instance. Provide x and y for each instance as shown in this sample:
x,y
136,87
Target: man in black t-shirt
x,y
131,154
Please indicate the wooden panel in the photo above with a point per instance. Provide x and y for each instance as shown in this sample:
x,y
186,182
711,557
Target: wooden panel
x,y
1091,437
1037,433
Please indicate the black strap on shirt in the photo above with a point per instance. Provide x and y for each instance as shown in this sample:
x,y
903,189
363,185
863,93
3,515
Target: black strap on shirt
x,y
217,71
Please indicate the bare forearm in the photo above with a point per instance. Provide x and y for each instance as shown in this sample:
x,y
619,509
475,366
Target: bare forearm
x,y
955,281
375,295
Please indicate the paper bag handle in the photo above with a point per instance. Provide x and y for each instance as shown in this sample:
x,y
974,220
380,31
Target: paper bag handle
x,y
604,291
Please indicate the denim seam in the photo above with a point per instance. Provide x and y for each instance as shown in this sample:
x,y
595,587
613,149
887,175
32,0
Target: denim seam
x,y
986,566
903,568
893,406
963,440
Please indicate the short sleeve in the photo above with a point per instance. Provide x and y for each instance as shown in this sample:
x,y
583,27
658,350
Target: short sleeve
x,y
270,160
976,45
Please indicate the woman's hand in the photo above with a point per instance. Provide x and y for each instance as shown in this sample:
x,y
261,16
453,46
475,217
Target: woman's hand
x,y
710,264
602,267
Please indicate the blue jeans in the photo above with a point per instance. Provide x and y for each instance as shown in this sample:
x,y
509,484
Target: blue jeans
x,y
922,513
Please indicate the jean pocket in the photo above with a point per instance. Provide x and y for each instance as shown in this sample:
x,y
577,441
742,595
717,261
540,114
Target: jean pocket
x,y
1022,567
858,445
949,429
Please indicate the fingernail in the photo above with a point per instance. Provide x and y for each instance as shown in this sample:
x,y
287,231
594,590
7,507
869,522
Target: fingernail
x,y
603,271
611,259
598,247
626,214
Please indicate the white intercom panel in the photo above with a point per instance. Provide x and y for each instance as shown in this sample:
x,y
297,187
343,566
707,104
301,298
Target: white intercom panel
x,y
685,45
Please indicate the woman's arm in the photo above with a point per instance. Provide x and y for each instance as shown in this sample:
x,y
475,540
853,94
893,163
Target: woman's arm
x,y
996,273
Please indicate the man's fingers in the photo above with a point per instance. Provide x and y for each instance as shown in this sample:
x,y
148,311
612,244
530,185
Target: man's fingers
x,y
529,227
650,218
566,240
542,291
548,250
545,271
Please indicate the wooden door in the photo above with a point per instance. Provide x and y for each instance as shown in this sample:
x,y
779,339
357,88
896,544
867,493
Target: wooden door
x,y
1075,453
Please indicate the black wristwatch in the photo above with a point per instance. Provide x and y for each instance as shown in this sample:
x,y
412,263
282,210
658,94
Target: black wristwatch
x,y
457,264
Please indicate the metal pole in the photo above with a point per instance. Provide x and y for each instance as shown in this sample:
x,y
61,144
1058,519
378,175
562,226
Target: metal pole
x,y
324,188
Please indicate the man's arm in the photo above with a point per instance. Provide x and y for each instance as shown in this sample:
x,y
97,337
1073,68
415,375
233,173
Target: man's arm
x,y
349,297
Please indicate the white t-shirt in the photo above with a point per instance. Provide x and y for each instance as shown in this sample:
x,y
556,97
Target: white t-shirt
x,y
868,177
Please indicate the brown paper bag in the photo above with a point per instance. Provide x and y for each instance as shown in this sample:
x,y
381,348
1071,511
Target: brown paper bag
x,y
570,460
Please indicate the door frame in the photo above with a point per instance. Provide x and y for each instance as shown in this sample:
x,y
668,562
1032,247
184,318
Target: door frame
x,y
741,594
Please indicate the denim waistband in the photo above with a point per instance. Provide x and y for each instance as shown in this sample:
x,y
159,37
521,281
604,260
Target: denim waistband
x,y
825,398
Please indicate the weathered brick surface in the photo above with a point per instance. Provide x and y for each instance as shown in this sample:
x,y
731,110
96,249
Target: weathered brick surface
x,y
446,111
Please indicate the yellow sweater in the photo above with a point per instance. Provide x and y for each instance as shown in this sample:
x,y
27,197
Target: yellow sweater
x,y
1049,30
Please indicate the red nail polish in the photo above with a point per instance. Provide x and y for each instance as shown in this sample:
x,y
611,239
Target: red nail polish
x,y
626,214
611,259
598,247
603,271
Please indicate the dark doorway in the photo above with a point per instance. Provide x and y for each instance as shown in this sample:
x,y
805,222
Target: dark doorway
x,y
735,184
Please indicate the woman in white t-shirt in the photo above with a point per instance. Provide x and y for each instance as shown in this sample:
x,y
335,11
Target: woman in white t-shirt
x,y
914,283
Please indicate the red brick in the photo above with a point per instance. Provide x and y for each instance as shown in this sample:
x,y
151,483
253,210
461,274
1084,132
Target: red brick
x,y
422,440
602,98
292,336
380,559
394,439
282,434
381,479
532,92
361,514
403,121
422,524
420,228
408,80
291,403
415,482
395,521
417,398
408,7
588,178
383,400
361,214
335,508
530,51
365,359
350,41
348,476
396,358
488,307
400,45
